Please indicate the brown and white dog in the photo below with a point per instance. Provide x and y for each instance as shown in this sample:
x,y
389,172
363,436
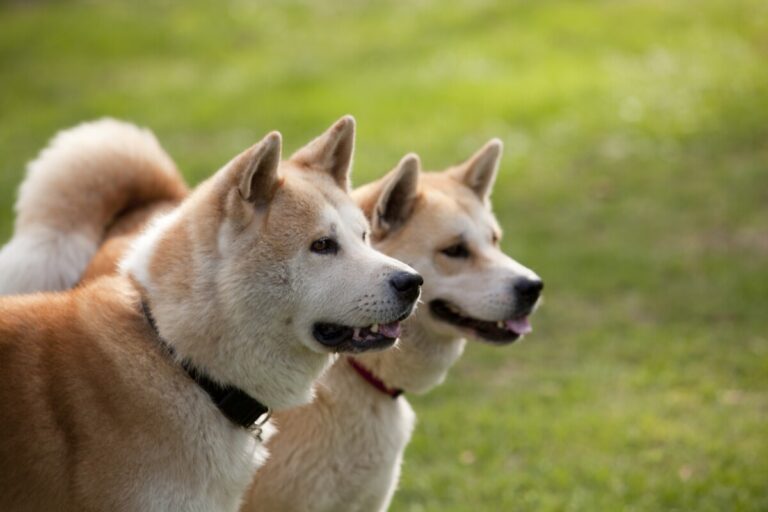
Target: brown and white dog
x,y
343,451
112,392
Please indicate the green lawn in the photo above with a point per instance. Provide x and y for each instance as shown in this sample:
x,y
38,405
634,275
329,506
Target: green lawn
x,y
635,181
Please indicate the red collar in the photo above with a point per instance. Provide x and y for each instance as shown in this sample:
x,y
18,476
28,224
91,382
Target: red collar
x,y
374,381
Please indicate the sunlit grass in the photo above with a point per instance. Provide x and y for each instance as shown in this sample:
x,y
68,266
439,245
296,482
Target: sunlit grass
x,y
635,180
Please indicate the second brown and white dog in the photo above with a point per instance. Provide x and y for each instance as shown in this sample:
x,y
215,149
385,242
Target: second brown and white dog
x,y
133,392
342,452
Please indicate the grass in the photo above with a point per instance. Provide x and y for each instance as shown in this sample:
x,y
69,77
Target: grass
x,y
635,180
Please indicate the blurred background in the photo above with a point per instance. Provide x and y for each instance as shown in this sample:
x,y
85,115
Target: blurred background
x,y
634,180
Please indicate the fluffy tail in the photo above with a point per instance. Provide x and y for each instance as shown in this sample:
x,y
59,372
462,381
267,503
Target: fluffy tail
x,y
86,177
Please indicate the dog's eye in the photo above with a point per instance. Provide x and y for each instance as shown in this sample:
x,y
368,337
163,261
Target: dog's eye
x,y
365,236
324,245
459,250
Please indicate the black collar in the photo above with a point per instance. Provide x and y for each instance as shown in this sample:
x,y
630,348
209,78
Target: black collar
x,y
241,408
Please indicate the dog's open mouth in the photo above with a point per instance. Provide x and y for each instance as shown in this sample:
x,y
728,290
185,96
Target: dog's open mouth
x,y
501,331
342,338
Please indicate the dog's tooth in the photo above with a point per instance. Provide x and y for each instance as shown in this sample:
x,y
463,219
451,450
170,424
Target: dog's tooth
x,y
500,324
375,328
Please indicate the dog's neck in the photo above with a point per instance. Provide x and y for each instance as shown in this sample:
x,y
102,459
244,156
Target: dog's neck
x,y
419,362
239,407
368,376
227,341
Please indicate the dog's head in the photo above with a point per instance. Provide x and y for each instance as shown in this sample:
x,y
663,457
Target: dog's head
x,y
349,297
268,268
441,223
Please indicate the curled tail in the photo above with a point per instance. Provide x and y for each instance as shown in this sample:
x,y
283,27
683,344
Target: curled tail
x,y
78,185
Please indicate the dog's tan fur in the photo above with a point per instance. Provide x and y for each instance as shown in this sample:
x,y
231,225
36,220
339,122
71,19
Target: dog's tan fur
x,y
102,171
97,416
343,451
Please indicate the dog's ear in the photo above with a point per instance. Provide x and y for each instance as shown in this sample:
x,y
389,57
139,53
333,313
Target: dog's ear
x,y
397,196
479,172
331,152
255,170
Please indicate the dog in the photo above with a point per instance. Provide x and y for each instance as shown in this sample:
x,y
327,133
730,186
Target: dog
x,y
343,451
149,390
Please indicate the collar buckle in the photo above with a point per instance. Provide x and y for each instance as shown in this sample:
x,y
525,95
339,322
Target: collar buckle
x,y
257,427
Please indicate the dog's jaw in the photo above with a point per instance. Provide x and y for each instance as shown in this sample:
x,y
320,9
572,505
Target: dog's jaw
x,y
499,332
421,360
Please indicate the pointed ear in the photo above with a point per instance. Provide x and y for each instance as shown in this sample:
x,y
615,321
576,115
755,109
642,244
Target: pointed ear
x,y
255,169
479,172
331,152
397,196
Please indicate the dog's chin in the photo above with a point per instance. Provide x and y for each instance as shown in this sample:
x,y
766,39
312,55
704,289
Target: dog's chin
x,y
347,339
499,332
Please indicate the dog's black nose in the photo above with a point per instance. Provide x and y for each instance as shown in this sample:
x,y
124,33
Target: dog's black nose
x,y
527,292
407,284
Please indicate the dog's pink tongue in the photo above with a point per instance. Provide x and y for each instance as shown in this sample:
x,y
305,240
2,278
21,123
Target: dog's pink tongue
x,y
520,326
392,330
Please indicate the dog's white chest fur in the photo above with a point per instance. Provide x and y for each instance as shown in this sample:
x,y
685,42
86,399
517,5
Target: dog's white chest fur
x,y
377,428
353,442
208,467
225,476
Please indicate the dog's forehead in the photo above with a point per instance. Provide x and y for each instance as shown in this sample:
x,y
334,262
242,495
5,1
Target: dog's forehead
x,y
342,220
445,198
351,215
318,196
